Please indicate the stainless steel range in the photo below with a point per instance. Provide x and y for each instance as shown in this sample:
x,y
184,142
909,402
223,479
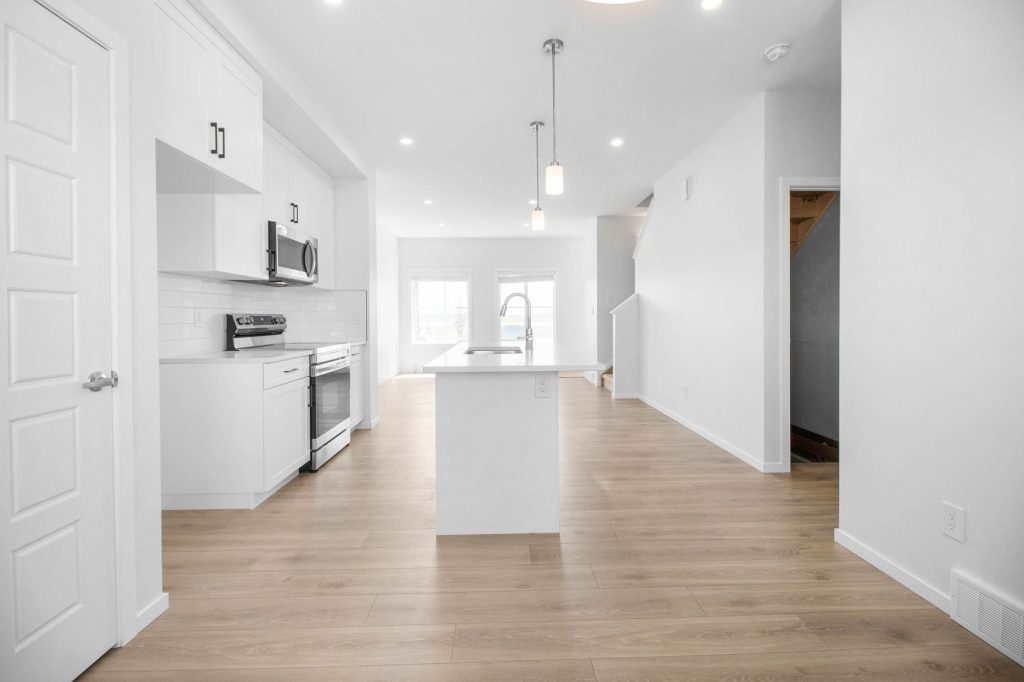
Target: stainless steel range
x,y
329,379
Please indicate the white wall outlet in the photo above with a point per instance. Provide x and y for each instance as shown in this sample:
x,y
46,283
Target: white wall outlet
x,y
542,386
954,519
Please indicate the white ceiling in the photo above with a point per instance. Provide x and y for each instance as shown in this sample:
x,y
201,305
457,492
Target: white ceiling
x,y
464,78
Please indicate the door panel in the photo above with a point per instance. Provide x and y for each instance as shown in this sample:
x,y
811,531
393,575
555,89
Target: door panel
x,y
57,597
184,111
239,103
277,203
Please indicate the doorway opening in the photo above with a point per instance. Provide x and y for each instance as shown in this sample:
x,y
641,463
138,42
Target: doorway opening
x,y
814,239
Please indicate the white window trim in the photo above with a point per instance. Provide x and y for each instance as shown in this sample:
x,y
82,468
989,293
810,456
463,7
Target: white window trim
x,y
451,275
526,272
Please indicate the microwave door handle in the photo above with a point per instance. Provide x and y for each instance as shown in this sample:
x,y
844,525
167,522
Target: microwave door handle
x,y
316,260
309,258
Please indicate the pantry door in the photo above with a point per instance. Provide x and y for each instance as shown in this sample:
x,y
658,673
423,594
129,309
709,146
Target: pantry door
x,y
57,550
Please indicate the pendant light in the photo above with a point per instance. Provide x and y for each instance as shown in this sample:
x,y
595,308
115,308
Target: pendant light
x,y
537,217
554,178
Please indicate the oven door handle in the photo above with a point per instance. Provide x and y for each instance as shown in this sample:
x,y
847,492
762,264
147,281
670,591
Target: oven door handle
x,y
328,367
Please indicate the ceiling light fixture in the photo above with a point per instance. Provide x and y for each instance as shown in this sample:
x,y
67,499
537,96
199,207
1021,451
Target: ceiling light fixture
x,y
710,4
554,178
614,2
617,142
537,215
428,202
533,202
333,2
405,141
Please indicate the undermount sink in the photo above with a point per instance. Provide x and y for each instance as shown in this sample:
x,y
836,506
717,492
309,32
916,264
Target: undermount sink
x,y
493,350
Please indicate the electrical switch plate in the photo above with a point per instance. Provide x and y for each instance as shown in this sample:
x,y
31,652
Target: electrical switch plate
x,y
954,519
542,386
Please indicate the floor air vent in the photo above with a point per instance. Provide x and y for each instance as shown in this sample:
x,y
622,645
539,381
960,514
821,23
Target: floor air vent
x,y
989,616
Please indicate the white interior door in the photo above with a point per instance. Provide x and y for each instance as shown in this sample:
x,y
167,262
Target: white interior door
x,y
57,590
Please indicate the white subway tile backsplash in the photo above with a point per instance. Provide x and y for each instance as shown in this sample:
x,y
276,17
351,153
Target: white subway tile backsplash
x,y
193,312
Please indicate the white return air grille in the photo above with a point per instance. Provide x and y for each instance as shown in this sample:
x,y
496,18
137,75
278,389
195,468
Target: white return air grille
x,y
989,616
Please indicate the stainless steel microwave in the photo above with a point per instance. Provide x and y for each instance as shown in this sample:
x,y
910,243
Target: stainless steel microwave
x,y
292,256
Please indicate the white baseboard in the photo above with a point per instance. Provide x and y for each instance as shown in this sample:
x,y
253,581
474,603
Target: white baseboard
x,y
625,396
707,435
901,575
368,424
151,611
221,500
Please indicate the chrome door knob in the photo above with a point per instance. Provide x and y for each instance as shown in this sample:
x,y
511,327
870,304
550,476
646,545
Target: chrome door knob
x,y
98,381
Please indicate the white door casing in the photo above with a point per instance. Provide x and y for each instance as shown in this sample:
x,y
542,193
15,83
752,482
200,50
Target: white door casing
x,y
57,547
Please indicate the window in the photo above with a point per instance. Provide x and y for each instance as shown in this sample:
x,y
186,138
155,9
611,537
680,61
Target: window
x,y
540,287
440,308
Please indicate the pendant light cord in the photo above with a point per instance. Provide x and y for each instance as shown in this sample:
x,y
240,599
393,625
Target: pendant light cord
x,y
536,135
554,116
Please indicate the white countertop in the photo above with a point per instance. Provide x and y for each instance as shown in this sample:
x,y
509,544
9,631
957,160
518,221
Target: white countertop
x,y
250,356
544,358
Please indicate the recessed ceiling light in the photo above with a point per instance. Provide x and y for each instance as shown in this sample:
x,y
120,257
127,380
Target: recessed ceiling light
x,y
440,225
428,202
405,141
533,202
710,4
617,142
614,2
526,224
333,2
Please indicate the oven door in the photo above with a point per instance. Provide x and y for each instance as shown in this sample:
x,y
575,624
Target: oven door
x,y
292,256
330,385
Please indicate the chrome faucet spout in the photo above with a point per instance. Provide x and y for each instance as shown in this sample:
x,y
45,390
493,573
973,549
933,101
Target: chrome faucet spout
x,y
529,317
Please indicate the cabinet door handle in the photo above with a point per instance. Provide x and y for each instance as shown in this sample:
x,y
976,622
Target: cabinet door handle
x,y
296,213
292,219
223,143
216,147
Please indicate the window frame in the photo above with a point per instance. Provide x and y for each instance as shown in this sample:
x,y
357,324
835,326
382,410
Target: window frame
x,y
446,275
528,272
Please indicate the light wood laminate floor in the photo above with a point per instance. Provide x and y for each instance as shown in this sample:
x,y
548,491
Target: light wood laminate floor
x,y
676,561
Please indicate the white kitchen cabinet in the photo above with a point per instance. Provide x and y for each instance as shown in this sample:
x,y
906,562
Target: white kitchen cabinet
x,y
277,204
221,236
291,183
356,374
285,431
227,442
209,107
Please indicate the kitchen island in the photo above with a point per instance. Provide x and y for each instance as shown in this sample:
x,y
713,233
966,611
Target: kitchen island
x,y
497,437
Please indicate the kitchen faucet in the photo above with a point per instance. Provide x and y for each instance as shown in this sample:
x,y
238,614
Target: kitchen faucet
x,y
529,317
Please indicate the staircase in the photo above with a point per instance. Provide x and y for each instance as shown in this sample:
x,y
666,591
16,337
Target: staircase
x,y
805,211
608,379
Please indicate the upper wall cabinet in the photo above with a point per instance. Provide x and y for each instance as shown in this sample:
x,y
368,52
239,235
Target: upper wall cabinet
x,y
209,108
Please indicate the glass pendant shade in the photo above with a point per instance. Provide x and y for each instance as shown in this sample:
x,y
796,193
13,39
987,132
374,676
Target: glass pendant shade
x,y
537,220
554,180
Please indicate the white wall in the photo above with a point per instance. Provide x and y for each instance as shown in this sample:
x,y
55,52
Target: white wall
x,y
571,258
700,273
616,239
931,330
708,271
193,312
387,305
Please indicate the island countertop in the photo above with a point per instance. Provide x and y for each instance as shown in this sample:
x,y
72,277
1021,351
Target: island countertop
x,y
543,358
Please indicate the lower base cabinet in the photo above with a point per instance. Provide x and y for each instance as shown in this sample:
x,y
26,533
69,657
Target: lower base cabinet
x,y
232,433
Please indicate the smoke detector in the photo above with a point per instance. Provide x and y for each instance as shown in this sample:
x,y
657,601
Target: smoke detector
x,y
776,52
